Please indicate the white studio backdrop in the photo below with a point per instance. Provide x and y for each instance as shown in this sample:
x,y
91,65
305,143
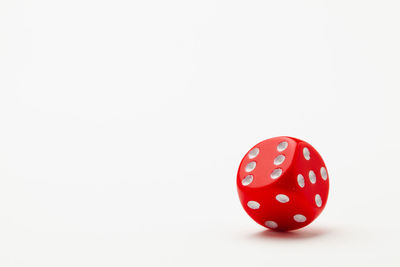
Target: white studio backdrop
x,y
122,125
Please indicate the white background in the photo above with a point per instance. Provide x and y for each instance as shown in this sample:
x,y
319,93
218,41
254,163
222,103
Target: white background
x,y
122,124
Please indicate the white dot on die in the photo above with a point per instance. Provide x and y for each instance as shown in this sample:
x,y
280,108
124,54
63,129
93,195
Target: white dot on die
x,y
324,174
282,146
306,153
276,173
254,153
312,176
247,180
279,159
318,200
253,205
271,224
300,180
282,198
299,218
250,166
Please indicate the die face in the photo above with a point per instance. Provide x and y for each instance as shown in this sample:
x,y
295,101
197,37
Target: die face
x,y
309,164
269,159
290,199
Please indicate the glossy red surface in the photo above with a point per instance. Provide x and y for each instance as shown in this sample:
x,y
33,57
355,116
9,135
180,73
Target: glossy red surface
x,y
283,202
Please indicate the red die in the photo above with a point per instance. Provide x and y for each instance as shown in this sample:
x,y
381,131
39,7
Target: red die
x,y
283,183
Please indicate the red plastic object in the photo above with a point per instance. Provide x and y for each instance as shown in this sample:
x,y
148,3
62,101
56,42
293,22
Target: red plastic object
x,y
283,183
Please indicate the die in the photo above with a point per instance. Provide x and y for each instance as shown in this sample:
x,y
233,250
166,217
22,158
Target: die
x,y
283,183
